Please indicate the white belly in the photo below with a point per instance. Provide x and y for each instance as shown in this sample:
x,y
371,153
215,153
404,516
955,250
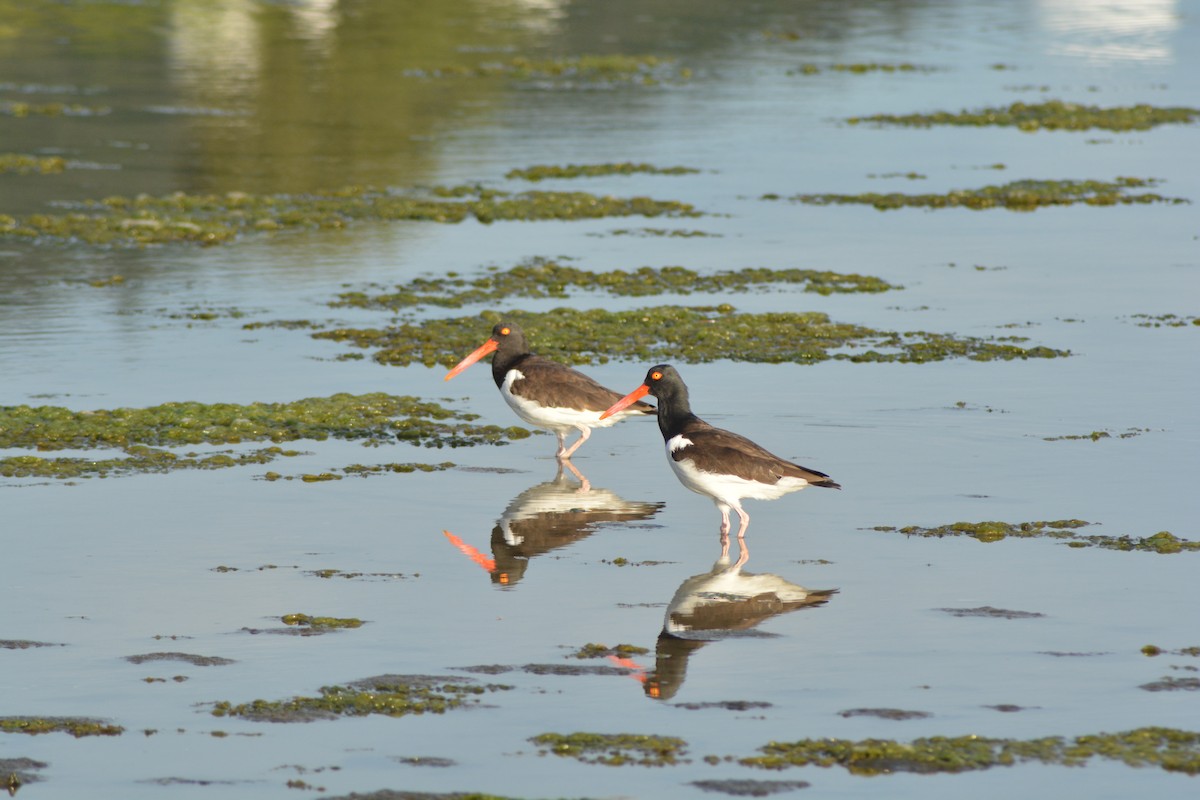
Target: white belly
x,y
727,489
550,418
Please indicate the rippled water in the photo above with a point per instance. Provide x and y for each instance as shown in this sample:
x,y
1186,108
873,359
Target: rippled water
x,y
266,97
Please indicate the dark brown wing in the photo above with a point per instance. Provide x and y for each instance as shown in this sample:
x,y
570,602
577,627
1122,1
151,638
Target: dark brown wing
x,y
720,451
555,385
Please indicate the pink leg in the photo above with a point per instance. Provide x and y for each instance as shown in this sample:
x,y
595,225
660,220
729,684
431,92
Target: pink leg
x,y
584,484
745,518
564,455
562,445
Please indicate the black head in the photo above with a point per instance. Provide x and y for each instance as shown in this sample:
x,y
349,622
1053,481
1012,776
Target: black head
x,y
664,380
507,334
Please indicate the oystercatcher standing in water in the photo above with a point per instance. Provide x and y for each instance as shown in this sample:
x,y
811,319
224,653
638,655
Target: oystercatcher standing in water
x,y
547,394
716,462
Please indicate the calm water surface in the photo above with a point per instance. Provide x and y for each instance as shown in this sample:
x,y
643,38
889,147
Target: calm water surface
x,y
290,97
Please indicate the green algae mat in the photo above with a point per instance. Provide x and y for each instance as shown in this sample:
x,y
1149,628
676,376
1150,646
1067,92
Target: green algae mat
x,y
1051,115
143,434
1167,748
388,695
1022,195
218,219
681,334
542,278
1064,530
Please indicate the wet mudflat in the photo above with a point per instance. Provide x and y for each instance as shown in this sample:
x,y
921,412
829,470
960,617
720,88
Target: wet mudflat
x,y
254,546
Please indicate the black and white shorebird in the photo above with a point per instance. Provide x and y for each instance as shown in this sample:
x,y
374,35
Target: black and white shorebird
x,y
716,462
547,394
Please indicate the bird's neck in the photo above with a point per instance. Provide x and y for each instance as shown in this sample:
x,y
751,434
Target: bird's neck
x,y
503,361
674,413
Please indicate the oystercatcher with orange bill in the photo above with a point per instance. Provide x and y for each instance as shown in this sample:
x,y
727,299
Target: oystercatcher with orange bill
x,y
713,461
547,394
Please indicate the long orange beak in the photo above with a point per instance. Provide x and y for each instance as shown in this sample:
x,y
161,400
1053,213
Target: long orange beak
x,y
487,347
471,553
627,400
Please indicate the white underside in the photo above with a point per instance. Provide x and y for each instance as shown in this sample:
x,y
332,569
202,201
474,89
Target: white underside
x,y
558,420
726,490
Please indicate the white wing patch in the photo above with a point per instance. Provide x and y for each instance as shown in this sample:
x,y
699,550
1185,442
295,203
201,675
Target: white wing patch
x,y
678,442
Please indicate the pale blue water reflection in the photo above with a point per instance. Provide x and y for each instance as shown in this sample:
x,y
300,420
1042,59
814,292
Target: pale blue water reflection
x,y
266,97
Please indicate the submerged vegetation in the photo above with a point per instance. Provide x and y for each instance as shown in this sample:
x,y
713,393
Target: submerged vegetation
x,y
1064,529
614,749
1024,195
217,219
859,68
22,109
1096,436
1165,320
542,277
680,334
1050,115
25,165
320,622
597,650
1168,748
76,726
389,695
142,433
611,68
541,172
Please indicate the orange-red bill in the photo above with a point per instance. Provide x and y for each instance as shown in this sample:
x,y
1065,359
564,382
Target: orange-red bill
x,y
471,553
636,671
487,347
627,400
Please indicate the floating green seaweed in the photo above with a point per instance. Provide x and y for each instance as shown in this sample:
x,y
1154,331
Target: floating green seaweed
x,y
321,622
614,749
540,172
76,726
1023,195
679,334
644,69
541,277
1050,115
22,109
26,165
389,695
1096,436
1168,748
136,459
1155,650
373,418
596,650
1162,542
860,68
142,433
1165,320
216,219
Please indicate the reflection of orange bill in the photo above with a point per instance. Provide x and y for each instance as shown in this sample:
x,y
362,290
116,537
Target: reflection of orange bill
x,y
635,672
470,552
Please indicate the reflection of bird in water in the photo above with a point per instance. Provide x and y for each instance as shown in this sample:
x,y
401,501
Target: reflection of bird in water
x,y
548,516
545,393
716,462
719,604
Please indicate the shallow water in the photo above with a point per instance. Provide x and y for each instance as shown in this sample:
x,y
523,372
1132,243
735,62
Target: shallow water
x,y
264,97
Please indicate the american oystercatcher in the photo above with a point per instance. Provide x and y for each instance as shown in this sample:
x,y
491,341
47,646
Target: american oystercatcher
x,y
716,462
548,516
721,603
547,394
